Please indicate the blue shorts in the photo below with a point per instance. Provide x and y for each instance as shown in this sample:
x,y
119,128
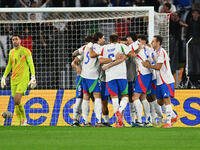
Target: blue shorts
x,y
130,88
91,85
165,90
117,87
79,87
104,91
142,83
152,89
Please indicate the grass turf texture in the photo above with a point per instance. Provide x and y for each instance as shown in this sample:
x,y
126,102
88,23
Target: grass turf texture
x,y
91,138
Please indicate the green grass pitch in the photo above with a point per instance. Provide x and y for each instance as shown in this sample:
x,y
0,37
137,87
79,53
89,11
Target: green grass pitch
x,y
91,138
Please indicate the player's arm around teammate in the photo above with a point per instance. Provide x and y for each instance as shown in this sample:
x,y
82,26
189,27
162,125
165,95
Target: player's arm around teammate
x,y
20,61
165,80
90,78
116,80
141,84
120,59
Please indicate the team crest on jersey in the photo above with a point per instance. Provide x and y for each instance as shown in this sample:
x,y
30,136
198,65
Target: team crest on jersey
x,y
20,55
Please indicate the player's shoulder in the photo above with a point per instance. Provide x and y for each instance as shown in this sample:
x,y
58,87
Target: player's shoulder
x,y
103,49
12,51
104,46
150,50
96,46
163,51
25,49
124,48
134,46
123,45
83,47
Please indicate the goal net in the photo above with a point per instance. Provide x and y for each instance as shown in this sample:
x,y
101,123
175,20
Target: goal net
x,y
52,34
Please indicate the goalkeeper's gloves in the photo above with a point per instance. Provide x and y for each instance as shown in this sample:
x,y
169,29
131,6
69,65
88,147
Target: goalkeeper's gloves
x,y
3,82
89,45
32,82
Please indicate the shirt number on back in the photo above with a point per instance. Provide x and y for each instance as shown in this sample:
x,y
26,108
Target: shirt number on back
x,y
111,55
88,58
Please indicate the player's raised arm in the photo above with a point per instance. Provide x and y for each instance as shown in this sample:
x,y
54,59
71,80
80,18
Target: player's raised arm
x,y
93,54
135,48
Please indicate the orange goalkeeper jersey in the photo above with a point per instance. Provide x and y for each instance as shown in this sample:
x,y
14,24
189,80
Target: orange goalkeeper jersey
x,y
20,60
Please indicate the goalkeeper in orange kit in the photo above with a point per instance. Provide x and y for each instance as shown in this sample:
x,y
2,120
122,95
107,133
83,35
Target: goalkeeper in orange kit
x,y
20,60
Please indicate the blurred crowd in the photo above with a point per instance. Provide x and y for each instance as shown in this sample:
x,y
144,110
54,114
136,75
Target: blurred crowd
x,y
184,24
158,4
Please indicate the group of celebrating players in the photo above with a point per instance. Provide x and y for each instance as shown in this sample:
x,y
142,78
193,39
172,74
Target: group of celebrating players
x,y
125,70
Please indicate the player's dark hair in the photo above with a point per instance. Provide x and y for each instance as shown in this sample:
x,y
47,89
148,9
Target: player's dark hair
x,y
123,39
89,38
16,34
168,5
142,37
114,38
158,38
97,36
132,35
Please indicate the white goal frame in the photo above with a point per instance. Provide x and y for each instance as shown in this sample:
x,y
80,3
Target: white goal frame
x,y
89,9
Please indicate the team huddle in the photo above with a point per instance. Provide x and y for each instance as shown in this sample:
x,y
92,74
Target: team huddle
x,y
125,70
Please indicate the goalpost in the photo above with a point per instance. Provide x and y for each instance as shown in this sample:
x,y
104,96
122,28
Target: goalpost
x,y
53,34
